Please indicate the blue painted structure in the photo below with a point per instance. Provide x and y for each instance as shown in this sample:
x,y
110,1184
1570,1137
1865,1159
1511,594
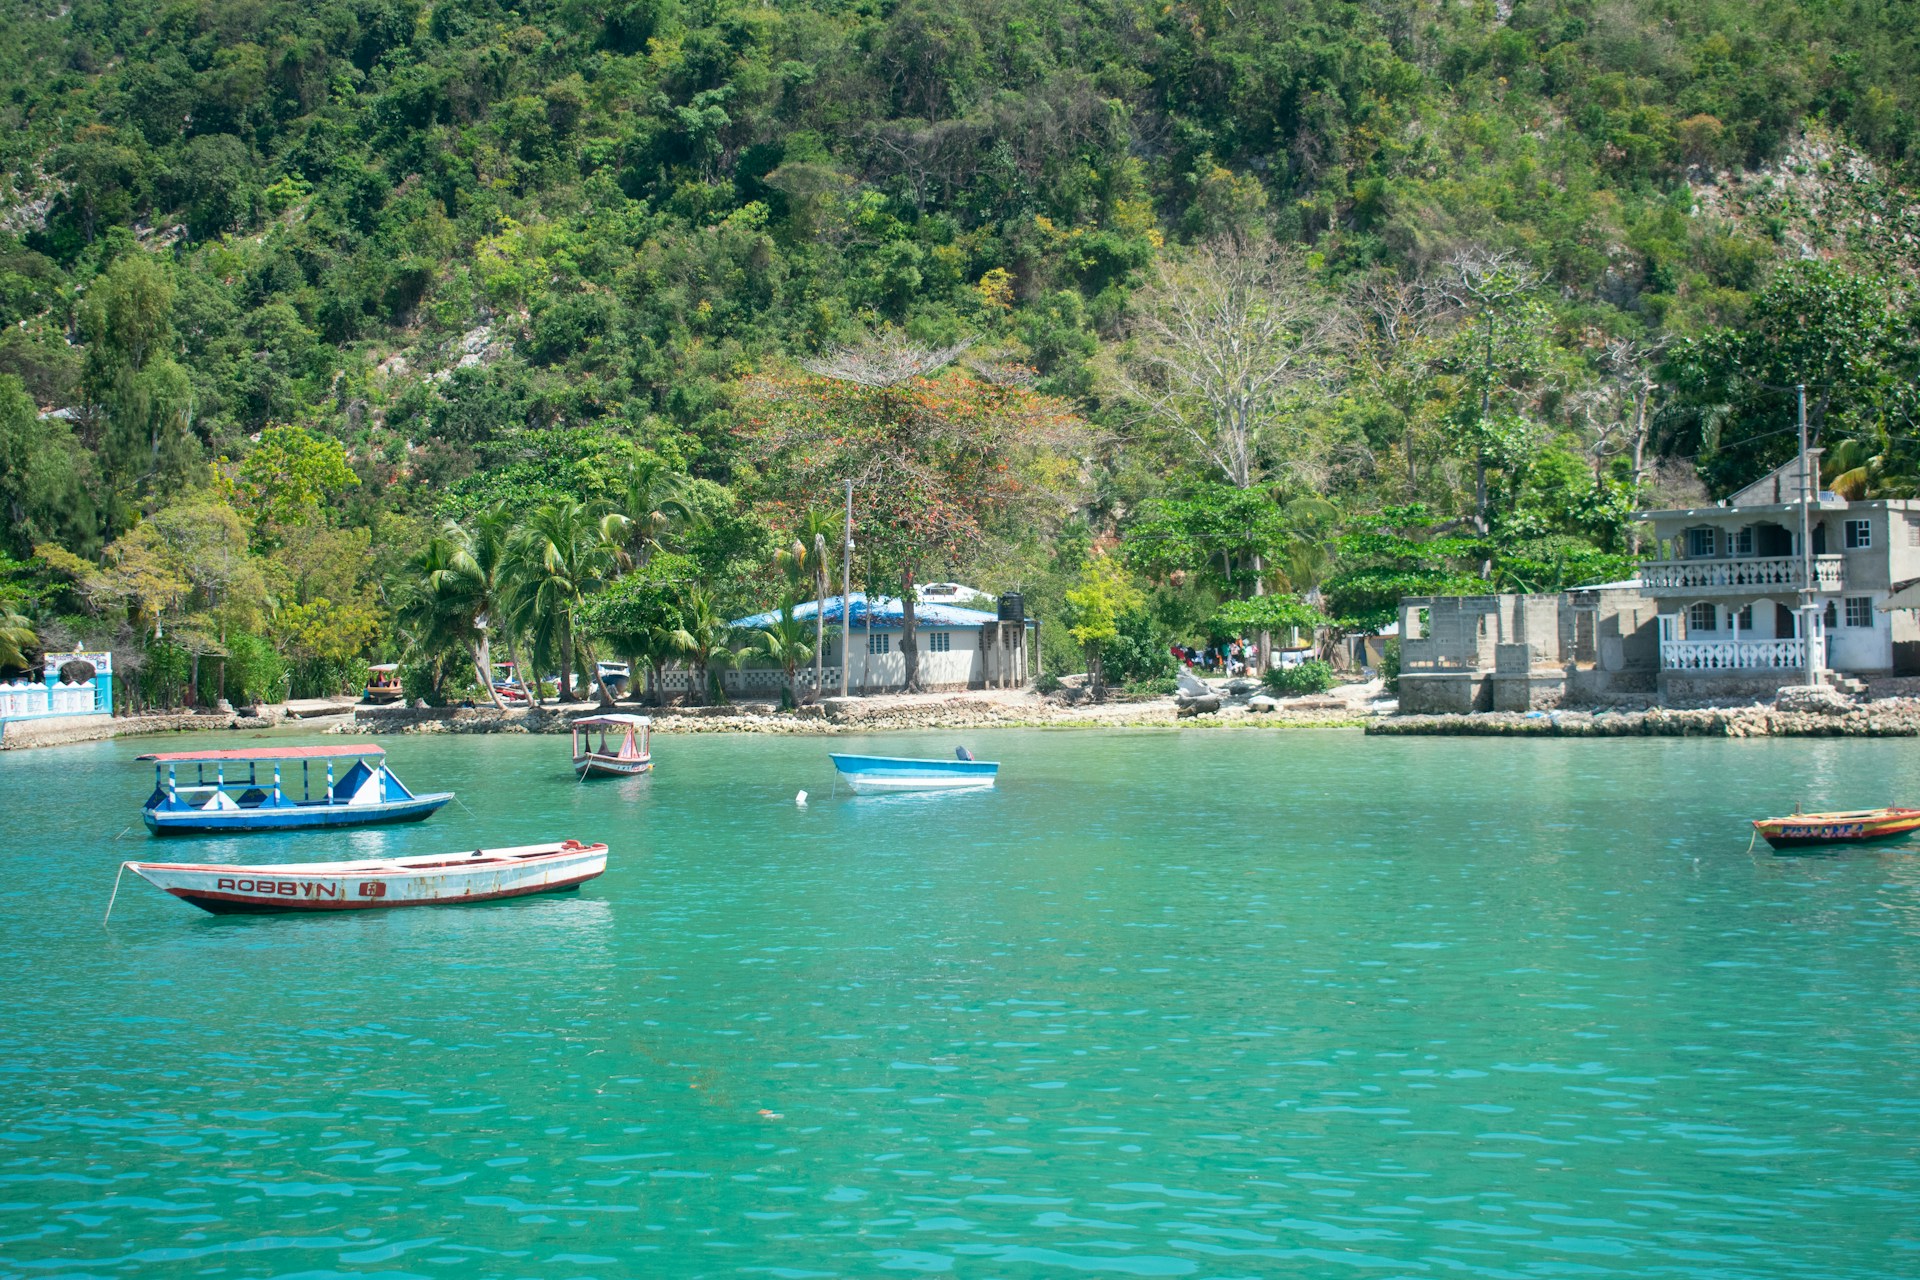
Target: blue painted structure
x,y
36,699
366,793
889,613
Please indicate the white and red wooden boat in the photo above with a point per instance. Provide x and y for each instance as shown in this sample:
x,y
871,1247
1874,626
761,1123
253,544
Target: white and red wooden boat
x,y
624,748
442,879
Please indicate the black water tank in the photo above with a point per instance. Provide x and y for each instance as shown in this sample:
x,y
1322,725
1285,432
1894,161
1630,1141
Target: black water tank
x,y
1013,607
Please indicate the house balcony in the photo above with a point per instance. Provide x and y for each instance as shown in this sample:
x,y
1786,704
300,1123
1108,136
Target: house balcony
x,y
1739,655
1750,575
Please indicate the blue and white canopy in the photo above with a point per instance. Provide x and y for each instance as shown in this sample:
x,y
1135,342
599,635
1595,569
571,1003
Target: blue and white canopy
x,y
888,614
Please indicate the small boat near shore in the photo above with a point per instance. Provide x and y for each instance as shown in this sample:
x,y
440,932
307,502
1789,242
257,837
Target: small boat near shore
x,y
383,683
444,879
1850,826
623,749
872,774
253,800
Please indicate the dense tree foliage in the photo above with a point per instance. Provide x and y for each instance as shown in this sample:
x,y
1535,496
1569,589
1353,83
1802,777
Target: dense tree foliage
x,y
1320,299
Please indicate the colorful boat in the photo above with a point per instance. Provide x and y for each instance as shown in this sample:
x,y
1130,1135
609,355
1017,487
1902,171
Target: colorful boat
x,y
622,751
442,879
1852,826
911,773
508,686
383,683
239,797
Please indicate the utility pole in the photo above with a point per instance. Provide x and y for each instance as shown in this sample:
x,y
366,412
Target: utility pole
x,y
846,592
1809,608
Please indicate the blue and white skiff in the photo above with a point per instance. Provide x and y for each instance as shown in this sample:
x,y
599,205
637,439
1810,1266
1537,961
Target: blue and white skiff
x,y
868,774
246,792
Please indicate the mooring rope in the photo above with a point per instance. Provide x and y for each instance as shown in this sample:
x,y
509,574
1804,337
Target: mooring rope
x,y
115,893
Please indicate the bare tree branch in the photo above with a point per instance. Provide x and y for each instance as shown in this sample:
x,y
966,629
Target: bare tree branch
x,y
885,360
1231,344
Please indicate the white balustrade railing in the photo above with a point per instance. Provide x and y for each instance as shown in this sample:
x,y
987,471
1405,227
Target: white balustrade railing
x,y
23,698
1736,655
1749,574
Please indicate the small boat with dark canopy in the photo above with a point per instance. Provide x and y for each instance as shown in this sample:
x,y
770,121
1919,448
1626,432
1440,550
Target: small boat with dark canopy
x,y
1851,826
623,749
244,794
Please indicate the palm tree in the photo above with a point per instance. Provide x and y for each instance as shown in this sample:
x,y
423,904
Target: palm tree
x,y
653,649
490,547
785,642
652,503
817,528
464,587
561,554
16,638
703,639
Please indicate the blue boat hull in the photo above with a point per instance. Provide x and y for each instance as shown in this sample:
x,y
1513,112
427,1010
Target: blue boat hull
x,y
292,817
907,773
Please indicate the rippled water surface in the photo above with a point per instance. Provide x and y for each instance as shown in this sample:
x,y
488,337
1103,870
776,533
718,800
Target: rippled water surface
x,y
1203,1004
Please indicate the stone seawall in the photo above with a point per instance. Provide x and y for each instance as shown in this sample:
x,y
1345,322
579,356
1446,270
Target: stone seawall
x,y
60,731
1880,720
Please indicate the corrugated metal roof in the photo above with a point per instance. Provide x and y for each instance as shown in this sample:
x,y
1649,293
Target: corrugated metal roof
x,y
887,612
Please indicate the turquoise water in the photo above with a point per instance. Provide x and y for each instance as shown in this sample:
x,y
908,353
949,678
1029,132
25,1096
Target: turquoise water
x,y
1206,1004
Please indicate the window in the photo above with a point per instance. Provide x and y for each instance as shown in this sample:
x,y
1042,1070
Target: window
x,y
1859,611
1859,536
939,642
880,642
1743,542
1699,543
1703,617
1913,531
1833,616
1745,618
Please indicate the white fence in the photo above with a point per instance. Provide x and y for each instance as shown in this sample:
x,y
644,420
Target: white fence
x,y
25,698
1759,575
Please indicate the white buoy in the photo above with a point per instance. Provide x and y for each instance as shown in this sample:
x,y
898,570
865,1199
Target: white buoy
x,y
801,799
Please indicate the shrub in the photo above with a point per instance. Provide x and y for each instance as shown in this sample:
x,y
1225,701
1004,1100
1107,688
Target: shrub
x,y
1046,682
255,672
1138,653
421,682
1154,687
1315,675
1390,664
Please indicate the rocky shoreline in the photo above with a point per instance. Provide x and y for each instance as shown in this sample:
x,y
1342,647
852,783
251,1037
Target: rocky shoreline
x,y
1893,718
895,716
1802,713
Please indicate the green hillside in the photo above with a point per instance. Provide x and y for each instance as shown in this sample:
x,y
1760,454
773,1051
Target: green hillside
x,y
631,288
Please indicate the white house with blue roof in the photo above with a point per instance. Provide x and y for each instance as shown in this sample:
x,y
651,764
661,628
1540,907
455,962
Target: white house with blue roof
x,y
959,649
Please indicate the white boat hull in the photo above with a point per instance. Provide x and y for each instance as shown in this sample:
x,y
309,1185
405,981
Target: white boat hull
x,y
880,783
436,880
597,766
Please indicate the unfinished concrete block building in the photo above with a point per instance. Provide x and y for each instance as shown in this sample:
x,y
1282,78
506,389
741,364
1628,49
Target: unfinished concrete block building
x,y
1528,652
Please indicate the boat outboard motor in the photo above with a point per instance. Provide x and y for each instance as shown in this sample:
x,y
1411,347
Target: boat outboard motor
x,y
962,753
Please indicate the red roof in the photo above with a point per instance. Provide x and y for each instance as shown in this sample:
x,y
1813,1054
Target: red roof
x,y
267,753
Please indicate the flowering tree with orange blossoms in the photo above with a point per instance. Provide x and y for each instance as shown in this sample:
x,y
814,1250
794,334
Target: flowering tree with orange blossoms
x,y
936,462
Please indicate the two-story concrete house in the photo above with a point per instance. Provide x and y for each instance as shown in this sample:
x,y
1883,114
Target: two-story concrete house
x,y
1716,613
1727,582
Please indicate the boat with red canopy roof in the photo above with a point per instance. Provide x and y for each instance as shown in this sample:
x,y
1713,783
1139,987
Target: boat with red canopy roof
x,y
247,791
